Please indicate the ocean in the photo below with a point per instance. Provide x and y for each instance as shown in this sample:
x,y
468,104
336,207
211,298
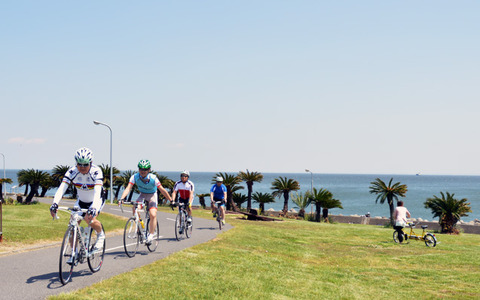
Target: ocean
x,y
351,189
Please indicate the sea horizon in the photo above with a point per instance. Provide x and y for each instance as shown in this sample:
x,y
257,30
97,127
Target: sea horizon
x,y
351,189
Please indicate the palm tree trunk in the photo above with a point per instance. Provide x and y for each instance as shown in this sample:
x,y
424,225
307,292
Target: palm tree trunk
x,y
392,209
318,209
249,196
33,191
26,189
325,214
285,203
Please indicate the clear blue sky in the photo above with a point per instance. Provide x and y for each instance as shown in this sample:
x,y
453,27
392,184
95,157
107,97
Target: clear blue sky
x,y
269,86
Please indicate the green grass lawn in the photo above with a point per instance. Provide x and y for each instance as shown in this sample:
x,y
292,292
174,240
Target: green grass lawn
x,y
303,260
26,225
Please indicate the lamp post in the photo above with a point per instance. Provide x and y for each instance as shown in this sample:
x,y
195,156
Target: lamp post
x,y
3,182
311,187
111,166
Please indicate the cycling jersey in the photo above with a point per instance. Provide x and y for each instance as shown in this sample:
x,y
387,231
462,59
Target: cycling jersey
x,y
88,186
218,191
147,185
184,189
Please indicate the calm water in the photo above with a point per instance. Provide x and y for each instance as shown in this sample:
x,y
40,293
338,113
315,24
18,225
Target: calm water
x,y
351,189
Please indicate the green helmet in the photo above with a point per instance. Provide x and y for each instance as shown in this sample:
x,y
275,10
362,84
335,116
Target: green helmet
x,y
144,164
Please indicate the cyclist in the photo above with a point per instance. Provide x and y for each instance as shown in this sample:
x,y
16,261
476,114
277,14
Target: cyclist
x,y
185,189
218,192
400,216
147,184
88,179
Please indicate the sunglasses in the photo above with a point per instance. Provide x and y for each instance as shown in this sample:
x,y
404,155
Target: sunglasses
x,y
143,169
83,165
183,176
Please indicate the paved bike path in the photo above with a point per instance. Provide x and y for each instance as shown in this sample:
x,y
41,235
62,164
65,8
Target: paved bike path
x,y
34,274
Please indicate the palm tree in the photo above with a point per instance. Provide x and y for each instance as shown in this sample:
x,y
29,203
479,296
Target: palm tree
x,y
33,178
261,199
250,178
106,177
329,204
319,197
283,186
231,181
449,210
167,183
4,181
388,193
47,183
22,180
239,199
201,199
57,174
126,175
302,201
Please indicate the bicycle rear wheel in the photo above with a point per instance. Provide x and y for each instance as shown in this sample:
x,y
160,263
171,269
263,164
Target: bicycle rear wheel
x,y
179,226
397,240
131,238
68,258
430,240
219,220
95,257
156,237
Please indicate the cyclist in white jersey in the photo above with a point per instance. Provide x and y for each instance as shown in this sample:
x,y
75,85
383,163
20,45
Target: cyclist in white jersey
x,y
185,189
147,184
88,180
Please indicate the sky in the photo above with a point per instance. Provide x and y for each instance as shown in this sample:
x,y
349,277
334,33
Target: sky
x,y
361,87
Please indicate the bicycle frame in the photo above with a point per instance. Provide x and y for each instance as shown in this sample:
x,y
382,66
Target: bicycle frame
x,y
75,218
429,238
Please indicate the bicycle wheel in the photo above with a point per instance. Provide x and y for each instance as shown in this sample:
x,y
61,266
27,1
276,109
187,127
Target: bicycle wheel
x,y
179,226
396,240
156,237
67,255
131,238
430,240
189,229
219,220
95,257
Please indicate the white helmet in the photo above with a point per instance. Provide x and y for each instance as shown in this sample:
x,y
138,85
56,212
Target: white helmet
x,y
185,172
83,156
219,179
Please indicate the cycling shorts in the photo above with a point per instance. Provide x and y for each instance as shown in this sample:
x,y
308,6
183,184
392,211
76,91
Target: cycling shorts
x,y
185,201
149,199
223,201
87,205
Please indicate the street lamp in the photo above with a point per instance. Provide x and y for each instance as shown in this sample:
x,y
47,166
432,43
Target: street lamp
x,y
3,182
311,187
111,166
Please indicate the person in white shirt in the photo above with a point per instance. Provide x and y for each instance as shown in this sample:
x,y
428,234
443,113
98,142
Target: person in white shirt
x,y
400,216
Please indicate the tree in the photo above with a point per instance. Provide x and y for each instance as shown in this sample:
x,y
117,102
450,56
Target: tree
x,y
283,186
261,199
302,201
126,175
319,197
167,183
33,178
239,199
201,199
329,204
449,210
22,180
388,193
250,178
47,183
2,182
231,181
58,173
106,176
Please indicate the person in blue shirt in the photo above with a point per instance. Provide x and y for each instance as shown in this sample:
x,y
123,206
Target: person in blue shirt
x,y
218,193
147,183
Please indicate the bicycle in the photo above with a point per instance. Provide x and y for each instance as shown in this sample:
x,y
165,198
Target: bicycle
x,y
429,238
135,232
182,227
217,213
78,245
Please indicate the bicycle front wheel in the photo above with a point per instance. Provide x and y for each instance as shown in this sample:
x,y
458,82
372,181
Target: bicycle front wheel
x,y
189,229
95,257
430,240
131,238
179,226
219,220
156,237
397,240
68,258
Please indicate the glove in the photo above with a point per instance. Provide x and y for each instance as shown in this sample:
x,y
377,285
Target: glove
x,y
54,207
92,211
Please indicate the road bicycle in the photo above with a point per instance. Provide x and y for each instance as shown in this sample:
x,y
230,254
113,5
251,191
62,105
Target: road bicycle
x,y
182,227
136,231
429,238
78,245
216,212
